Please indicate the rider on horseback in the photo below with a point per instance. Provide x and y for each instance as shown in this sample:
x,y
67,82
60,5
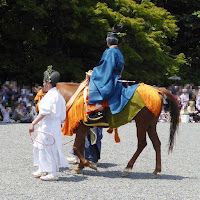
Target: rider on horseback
x,y
104,83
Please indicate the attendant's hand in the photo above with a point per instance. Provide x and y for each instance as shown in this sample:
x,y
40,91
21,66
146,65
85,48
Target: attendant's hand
x,y
31,128
35,121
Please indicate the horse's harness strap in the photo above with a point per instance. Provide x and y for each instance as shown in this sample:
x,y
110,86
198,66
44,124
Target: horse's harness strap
x,y
80,88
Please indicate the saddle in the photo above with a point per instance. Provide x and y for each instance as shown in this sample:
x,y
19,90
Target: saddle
x,y
96,113
97,119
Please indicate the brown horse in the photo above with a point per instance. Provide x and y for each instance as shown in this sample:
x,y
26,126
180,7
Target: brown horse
x,y
145,122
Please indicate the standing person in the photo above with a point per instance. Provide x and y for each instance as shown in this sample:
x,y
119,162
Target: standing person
x,y
184,98
93,145
52,112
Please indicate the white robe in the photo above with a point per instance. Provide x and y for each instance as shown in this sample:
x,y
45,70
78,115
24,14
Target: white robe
x,y
50,158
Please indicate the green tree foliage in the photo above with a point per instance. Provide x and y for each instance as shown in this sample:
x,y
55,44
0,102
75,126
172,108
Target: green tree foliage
x,y
146,49
187,15
70,35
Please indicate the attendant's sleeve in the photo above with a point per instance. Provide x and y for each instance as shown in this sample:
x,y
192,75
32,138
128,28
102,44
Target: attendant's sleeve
x,y
46,105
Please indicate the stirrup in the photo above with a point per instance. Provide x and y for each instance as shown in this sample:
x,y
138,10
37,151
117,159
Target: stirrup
x,y
96,123
101,122
95,116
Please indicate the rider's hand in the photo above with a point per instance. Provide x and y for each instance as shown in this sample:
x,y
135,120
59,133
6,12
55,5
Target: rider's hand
x,y
88,74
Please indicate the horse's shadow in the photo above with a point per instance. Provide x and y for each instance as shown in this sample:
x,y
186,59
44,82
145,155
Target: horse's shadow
x,y
132,175
107,165
117,174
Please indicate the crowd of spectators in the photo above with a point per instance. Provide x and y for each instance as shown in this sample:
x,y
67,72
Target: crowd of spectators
x,y
17,102
188,97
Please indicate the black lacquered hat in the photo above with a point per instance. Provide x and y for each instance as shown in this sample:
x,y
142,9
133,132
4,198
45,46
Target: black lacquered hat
x,y
51,76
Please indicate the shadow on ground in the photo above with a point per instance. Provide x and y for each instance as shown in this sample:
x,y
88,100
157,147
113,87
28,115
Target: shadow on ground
x,y
114,174
132,175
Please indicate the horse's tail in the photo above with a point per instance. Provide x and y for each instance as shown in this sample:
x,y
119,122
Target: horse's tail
x,y
173,108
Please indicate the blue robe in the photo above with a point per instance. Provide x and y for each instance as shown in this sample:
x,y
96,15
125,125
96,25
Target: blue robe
x,y
104,83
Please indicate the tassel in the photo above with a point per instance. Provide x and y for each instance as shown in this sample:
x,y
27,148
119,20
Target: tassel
x,y
117,139
110,130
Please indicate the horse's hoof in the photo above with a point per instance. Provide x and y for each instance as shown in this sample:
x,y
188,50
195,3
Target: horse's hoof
x,y
93,166
156,172
154,175
76,170
126,172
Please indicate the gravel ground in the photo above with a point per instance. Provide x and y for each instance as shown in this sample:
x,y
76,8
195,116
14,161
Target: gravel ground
x,y
180,177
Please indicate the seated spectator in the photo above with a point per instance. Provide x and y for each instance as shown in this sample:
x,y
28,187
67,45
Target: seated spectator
x,y
31,111
184,111
24,99
18,112
6,115
193,112
184,114
29,115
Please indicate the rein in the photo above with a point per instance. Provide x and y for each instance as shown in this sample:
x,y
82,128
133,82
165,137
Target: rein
x,y
68,142
80,88
34,140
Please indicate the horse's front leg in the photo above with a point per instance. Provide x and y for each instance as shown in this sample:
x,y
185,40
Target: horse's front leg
x,y
79,148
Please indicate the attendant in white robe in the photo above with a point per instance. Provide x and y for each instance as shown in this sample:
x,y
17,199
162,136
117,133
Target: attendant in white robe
x,y
52,112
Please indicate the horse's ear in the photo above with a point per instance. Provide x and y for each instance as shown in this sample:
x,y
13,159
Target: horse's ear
x,y
37,90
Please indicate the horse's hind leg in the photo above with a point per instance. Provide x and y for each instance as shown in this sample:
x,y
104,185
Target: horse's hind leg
x,y
141,135
143,119
156,144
